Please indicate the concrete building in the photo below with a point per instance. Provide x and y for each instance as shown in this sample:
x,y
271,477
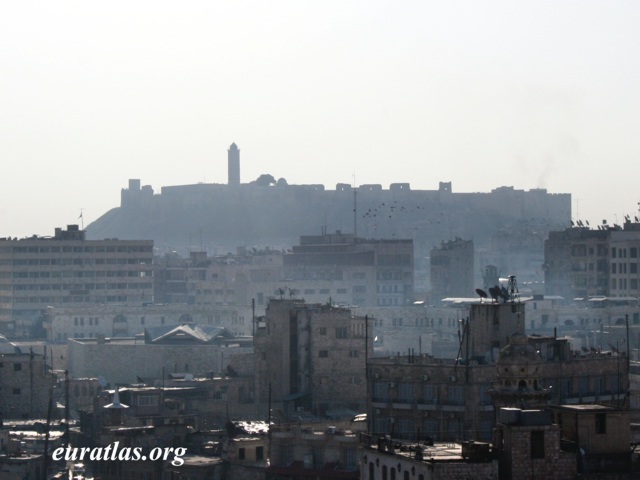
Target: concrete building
x,y
581,262
180,350
599,436
527,444
221,280
332,267
308,453
67,269
454,400
112,321
311,358
25,383
366,272
383,458
452,270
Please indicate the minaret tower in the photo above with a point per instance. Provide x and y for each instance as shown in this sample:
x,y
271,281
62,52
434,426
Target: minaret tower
x,y
233,165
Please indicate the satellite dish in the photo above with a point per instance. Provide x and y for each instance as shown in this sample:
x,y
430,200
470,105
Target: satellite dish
x,y
494,292
504,294
481,292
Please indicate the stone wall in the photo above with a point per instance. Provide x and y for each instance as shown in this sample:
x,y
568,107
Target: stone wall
x,y
124,362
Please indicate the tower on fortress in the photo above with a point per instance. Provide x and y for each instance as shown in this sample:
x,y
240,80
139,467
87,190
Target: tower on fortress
x,y
233,165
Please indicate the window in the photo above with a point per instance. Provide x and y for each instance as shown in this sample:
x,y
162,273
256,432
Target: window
x,y
241,453
601,423
405,392
16,391
537,444
430,394
259,453
380,392
322,331
17,367
148,400
455,395
341,332
323,353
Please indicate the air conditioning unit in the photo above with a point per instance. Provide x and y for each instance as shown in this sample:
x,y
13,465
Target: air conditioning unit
x,y
425,378
453,378
391,384
376,375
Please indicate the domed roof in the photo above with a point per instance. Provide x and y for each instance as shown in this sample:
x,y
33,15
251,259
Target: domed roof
x,y
7,347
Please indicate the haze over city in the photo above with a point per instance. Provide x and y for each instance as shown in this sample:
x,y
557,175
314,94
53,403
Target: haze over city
x,y
528,94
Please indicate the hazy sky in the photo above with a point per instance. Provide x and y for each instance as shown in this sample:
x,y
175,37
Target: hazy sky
x,y
480,93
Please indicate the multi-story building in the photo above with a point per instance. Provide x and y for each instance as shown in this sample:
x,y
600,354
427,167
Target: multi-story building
x,y
366,272
191,349
337,268
311,357
581,262
91,321
67,270
496,365
308,453
576,262
25,383
452,269
527,445
219,280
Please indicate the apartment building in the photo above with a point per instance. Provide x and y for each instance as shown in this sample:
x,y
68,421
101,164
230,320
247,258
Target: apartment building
x,y
336,268
583,262
66,270
367,272
496,366
311,357
452,269
91,321
25,382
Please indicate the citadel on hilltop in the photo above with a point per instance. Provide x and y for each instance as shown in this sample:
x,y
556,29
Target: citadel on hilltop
x,y
219,217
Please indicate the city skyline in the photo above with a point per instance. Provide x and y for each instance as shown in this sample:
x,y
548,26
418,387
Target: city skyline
x,y
529,95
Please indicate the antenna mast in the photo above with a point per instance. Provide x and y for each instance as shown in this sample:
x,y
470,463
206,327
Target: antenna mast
x,y
355,210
